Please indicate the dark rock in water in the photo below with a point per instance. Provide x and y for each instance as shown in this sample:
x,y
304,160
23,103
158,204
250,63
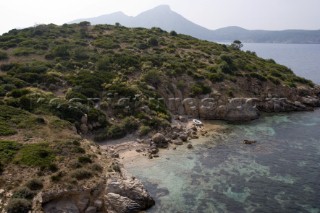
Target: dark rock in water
x,y
189,146
249,142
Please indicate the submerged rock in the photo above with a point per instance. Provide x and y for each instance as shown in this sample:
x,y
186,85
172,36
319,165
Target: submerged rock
x,y
189,146
249,142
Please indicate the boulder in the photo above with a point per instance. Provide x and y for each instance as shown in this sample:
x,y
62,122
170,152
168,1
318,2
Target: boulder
x,y
183,137
189,146
121,204
159,140
126,193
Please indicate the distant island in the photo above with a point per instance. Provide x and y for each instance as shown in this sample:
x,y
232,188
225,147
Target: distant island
x,y
163,17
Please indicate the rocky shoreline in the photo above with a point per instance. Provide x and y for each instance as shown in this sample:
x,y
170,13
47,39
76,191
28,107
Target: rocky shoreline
x,y
183,130
121,192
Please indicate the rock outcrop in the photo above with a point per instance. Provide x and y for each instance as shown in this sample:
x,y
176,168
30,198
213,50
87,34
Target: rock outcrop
x,y
119,193
237,109
73,201
125,193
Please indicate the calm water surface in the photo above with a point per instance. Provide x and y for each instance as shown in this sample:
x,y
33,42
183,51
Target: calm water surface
x,y
280,173
303,59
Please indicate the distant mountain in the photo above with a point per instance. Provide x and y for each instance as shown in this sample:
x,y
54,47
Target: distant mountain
x,y
163,17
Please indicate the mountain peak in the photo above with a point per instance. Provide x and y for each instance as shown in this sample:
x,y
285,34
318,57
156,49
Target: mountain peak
x,y
162,7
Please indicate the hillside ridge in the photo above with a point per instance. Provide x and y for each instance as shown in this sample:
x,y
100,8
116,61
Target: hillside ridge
x,y
66,89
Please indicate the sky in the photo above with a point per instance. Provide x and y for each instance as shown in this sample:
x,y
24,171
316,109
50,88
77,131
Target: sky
x,y
212,14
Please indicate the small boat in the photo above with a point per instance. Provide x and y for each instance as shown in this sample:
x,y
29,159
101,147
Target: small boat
x,y
197,122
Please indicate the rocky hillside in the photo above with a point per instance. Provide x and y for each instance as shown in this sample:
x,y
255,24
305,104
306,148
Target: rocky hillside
x,y
61,84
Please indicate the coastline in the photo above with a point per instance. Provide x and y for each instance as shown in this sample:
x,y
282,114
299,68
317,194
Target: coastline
x,y
129,148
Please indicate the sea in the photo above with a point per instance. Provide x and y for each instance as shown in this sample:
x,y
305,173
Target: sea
x,y
278,173
302,59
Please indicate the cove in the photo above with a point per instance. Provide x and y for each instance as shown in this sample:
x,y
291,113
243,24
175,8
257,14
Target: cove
x,y
279,173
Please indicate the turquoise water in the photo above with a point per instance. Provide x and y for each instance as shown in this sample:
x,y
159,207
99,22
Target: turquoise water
x,y
280,173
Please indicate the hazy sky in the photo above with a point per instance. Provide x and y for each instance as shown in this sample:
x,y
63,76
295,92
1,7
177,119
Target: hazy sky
x,y
213,14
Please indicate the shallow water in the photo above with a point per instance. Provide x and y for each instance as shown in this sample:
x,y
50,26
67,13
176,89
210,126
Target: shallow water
x,y
280,173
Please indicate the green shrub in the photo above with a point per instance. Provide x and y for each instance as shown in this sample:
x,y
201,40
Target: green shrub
x,y
216,77
23,193
227,59
81,54
153,42
23,51
81,174
274,80
61,51
35,184
39,155
257,76
291,84
17,93
96,167
8,149
106,43
173,33
144,130
301,80
130,124
152,77
199,89
53,167
3,56
84,159
18,206
5,129
116,131
225,68
1,168
57,177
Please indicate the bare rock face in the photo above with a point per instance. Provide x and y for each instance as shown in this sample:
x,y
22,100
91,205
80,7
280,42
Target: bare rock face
x,y
237,109
241,109
121,204
310,101
281,105
125,193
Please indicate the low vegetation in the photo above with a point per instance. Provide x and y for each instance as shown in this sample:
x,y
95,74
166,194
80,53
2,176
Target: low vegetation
x,y
59,82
